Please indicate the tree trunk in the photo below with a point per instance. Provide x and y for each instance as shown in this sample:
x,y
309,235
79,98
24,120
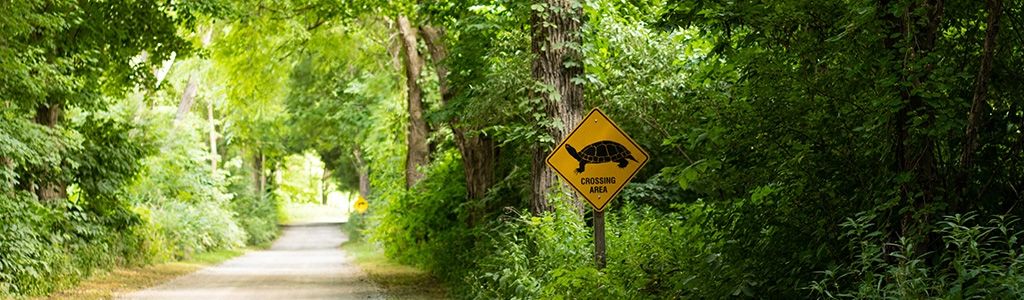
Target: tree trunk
x,y
48,114
263,176
161,73
258,178
974,117
213,138
324,179
912,37
478,150
364,173
555,39
434,39
50,188
192,87
419,151
187,98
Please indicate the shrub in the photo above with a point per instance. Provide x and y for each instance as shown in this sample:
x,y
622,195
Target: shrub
x,y
651,254
196,228
44,247
981,260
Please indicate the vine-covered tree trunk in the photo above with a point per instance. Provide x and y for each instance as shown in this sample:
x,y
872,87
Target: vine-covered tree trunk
x,y
978,103
912,37
555,42
478,151
419,151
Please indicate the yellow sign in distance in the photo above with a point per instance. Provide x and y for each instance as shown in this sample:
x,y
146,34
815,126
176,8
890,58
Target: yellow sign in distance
x,y
597,159
361,205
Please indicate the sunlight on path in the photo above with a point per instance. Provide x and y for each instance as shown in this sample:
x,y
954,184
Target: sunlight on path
x,y
305,263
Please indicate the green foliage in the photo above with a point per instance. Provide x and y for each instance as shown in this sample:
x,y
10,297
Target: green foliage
x,y
771,125
189,206
123,185
982,260
27,245
112,151
48,247
430,219
188,229
300,182
528,257
69,52
256,216
27,149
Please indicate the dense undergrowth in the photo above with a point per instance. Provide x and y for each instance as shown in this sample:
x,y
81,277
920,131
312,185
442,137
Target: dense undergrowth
x,y
155,208
674,253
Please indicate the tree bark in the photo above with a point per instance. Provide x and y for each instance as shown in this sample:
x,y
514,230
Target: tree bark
x,y
161,73
8,165
434,39
192,87
978,103
213,138
364,173
50,188
418,150
48,114
555,39
324,179
258,178
187,98
478,150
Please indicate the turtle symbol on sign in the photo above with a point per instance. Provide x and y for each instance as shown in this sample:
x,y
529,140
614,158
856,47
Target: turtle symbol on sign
x,y
601,152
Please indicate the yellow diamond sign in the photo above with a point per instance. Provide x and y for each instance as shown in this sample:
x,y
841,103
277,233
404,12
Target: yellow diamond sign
x,y
597,159
361,205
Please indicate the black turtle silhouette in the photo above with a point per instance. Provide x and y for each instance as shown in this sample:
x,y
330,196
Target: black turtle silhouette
x,y
601,152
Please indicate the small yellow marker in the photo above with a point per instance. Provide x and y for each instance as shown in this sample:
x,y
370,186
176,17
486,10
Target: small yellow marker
x,y
361,205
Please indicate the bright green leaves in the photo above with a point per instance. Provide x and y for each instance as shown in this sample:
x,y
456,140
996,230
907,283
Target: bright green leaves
x,y
70,52
28,149
113,150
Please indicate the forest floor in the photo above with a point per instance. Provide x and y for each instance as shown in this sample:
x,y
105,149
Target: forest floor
x,y
306,262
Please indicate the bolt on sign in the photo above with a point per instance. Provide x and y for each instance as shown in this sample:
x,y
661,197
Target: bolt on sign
x,y
597,159
361,205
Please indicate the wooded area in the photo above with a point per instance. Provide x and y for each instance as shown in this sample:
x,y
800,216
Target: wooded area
x,y
799,149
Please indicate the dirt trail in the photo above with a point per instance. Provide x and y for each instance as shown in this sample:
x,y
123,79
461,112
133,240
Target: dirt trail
x,y
305,263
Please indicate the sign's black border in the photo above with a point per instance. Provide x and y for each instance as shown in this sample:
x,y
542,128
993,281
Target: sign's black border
x,y
628,138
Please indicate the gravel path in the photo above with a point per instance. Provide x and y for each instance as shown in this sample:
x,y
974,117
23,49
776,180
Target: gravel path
x,y
304,263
